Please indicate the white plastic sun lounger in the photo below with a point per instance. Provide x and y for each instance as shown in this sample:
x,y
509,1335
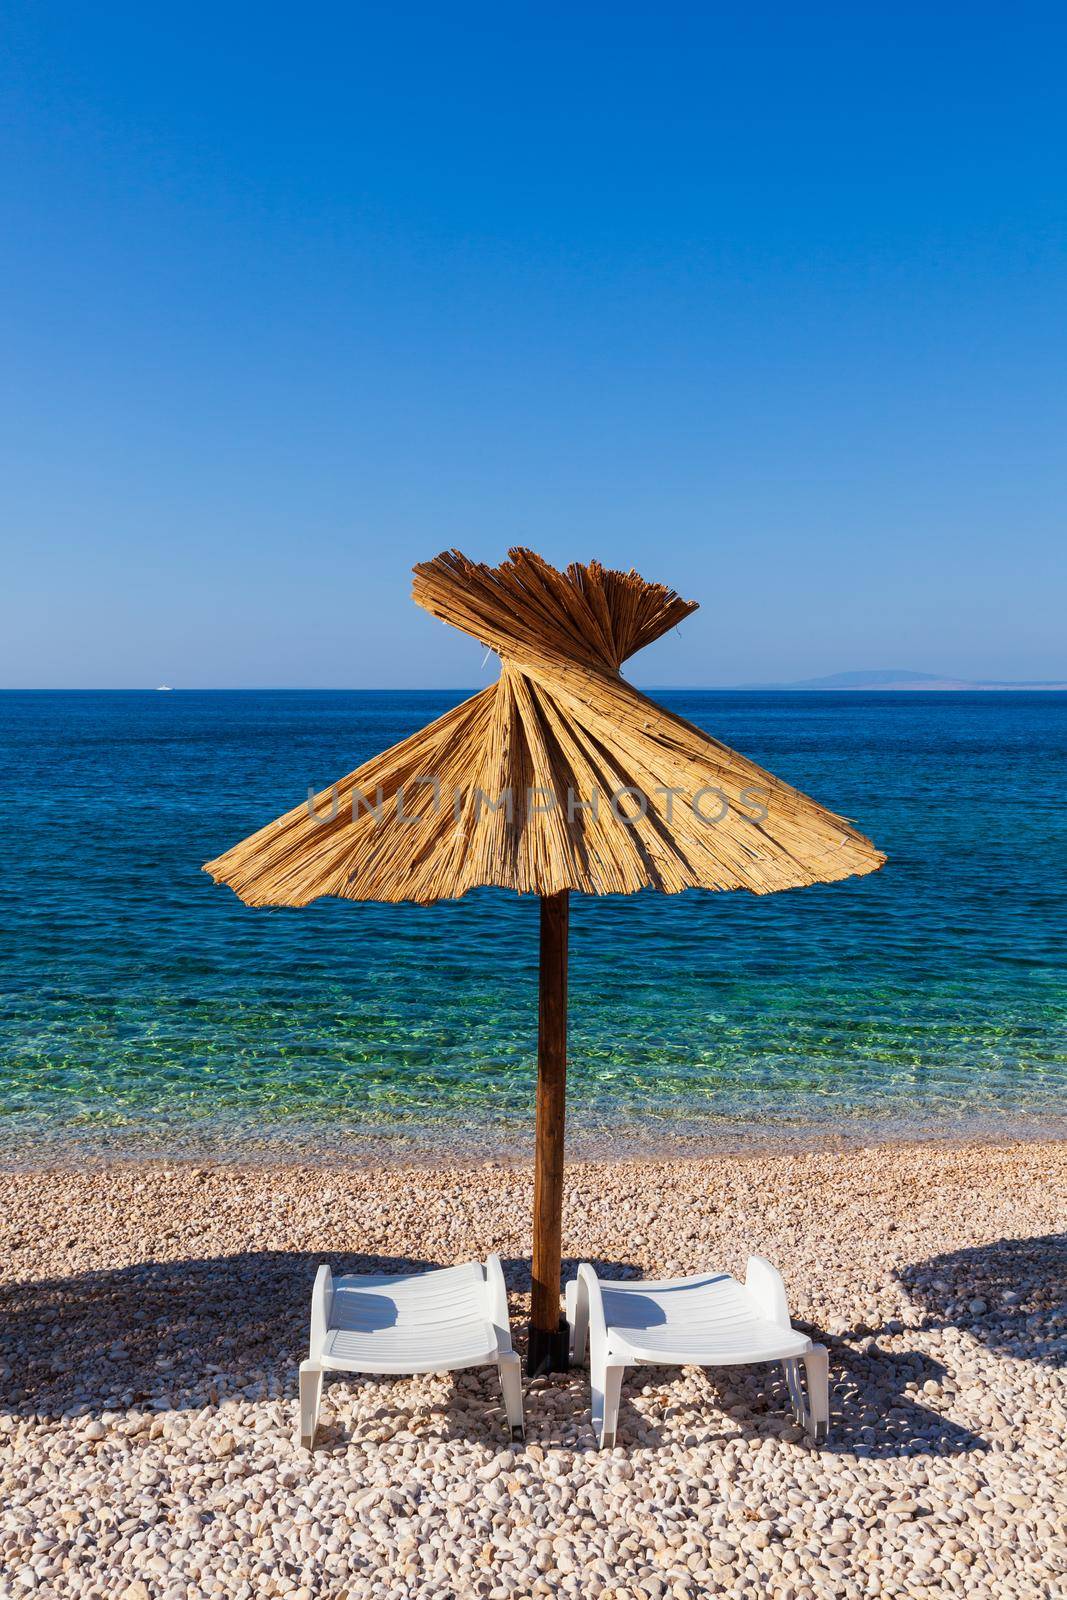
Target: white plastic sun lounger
x,y
436,1321
709,1320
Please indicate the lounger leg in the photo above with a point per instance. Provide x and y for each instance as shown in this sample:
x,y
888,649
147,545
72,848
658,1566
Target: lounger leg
x,y
817,1368
310,1395
606,1386
511,1384
796,1393
577,1301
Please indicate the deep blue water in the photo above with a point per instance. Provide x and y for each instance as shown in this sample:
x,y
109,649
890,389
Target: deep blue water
x,y
143,1004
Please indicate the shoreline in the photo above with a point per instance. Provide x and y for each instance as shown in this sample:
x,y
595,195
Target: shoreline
x,y
362,1148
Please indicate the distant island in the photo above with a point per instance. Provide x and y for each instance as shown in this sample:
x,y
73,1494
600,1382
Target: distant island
x,y
895,679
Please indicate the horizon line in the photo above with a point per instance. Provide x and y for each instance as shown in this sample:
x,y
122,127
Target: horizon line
x,y
973,686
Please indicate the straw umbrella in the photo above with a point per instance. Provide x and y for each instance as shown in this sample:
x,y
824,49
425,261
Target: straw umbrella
x,y
558,777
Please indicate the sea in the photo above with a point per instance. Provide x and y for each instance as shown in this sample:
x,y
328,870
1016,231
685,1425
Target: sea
x,y
146,1012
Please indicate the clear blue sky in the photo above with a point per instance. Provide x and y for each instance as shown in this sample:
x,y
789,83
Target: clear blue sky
x,y
768,301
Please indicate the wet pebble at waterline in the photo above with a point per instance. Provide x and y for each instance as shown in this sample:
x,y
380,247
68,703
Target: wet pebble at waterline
x,y
152,1321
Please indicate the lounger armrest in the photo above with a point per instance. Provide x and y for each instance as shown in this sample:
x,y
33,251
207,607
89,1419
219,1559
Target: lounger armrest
x,y
764,1283
321,1307
589,1309
497,1302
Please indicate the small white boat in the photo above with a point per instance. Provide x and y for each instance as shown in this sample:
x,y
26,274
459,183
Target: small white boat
x,y
161,687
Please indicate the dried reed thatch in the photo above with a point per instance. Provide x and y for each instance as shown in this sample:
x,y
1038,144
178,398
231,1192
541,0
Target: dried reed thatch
x,y
431,818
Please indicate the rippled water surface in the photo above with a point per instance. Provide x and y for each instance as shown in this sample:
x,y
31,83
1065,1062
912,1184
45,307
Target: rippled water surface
x,y
145,1006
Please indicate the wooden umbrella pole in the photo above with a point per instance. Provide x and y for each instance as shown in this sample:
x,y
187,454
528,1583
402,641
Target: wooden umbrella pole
x,y
548,1330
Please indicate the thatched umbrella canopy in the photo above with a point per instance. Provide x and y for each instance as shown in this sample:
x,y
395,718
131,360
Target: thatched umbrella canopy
x,y
559,776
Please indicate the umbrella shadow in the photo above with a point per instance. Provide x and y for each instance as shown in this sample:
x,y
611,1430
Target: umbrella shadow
x,y
1010,1295
162,1333
182,1334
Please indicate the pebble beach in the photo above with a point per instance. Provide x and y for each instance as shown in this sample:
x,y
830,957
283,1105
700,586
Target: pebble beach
x,y
153,1317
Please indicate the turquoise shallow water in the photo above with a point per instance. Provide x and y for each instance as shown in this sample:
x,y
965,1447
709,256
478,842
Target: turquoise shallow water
x,y
144,1007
